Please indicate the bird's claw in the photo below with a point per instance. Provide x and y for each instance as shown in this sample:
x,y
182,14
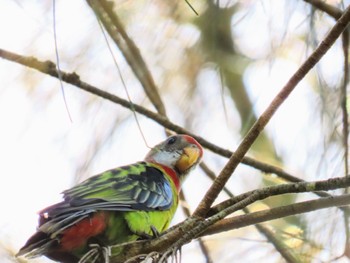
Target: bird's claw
x,y
95,253
155,232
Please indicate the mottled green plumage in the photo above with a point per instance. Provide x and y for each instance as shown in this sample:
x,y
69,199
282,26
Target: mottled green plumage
x,y
116,206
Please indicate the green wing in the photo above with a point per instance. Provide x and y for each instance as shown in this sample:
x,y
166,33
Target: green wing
x,y
140,186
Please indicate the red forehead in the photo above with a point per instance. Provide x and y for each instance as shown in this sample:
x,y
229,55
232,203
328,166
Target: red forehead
x,y
193,141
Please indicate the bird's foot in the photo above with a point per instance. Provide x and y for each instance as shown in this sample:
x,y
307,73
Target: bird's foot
x,y
96,254
155,234
173,253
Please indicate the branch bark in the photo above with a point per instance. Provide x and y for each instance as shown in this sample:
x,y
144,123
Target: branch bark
x,y
275,213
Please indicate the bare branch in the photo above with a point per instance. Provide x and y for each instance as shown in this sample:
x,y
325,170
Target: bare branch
x,y
194,227
265,117
276,213
287,255
250,197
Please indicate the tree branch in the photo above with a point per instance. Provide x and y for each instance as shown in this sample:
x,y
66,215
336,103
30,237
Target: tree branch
x,y
287,255
265,117
276,213
194,226
250,197
49,68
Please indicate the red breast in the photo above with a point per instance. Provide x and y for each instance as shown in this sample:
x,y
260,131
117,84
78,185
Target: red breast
x,y
76,236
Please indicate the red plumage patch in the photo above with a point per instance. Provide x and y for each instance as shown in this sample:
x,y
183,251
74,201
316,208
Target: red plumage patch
x,y
77,235
172,175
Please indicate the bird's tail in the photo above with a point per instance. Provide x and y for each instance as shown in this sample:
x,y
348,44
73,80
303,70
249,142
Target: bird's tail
x,y
36,245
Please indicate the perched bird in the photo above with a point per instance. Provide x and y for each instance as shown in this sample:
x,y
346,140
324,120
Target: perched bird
x,y
119,205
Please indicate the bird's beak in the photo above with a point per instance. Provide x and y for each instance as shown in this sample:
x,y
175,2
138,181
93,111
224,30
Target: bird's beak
x,y
189,157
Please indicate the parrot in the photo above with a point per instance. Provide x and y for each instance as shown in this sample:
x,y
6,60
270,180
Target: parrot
x,y
124,204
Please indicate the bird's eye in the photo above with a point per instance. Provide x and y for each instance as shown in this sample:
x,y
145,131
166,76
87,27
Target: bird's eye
x,y
171,140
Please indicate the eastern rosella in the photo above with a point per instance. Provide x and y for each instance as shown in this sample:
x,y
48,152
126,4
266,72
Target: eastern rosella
x,y
119,205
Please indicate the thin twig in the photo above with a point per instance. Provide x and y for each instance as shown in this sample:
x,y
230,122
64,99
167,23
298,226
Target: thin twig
x,y
104,11
58,59
123,82
192,8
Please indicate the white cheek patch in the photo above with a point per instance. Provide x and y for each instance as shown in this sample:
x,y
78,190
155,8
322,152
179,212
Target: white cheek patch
x,y
166,158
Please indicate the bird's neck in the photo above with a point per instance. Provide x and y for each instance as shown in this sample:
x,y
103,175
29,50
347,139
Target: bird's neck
x,y
172,174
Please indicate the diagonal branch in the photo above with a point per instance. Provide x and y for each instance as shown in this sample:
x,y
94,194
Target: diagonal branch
x,y
265,117
72,78
250,197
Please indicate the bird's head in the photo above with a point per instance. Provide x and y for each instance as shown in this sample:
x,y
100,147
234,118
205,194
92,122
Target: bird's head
x,y
179,152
